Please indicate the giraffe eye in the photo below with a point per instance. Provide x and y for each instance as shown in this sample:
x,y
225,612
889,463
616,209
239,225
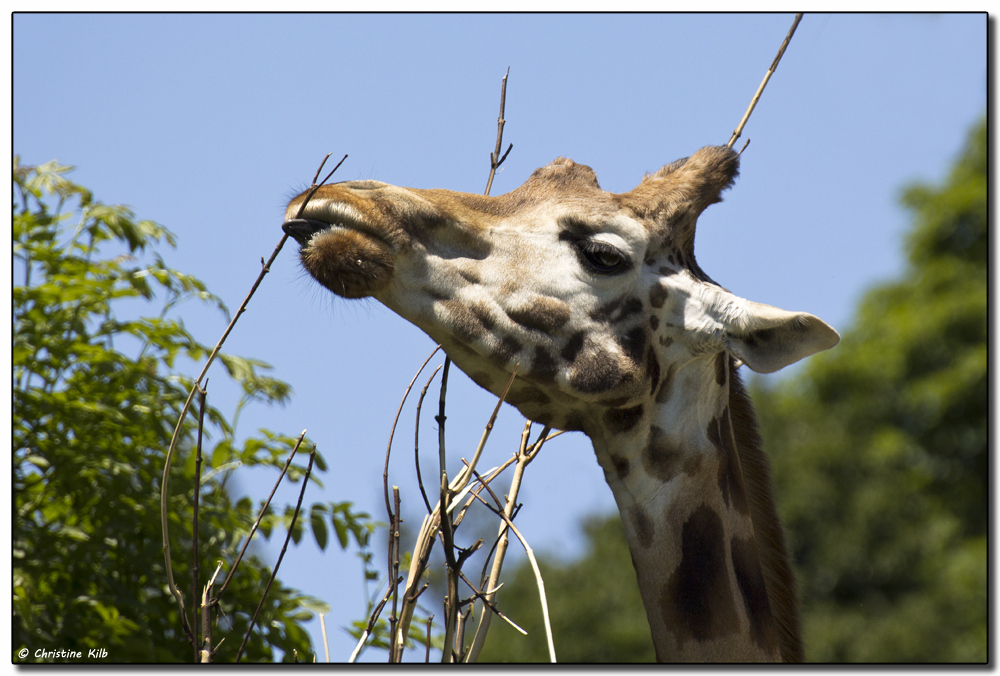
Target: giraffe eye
x,y
602,258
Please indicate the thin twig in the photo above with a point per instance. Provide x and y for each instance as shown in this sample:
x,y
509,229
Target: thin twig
x,y
207,652
371,622
451,607
418,564
427,655
534,567
489,604
326,643
392,432
203,391
395,650
494,162
767,76
416,439
451,579
440,418
165,483
413,599
284,548
263,509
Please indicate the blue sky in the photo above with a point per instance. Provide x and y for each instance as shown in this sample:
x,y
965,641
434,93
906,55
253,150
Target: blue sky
x,y
209,123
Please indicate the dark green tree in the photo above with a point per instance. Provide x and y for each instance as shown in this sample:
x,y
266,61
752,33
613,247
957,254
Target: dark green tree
x,y
96,398
879,451
880,448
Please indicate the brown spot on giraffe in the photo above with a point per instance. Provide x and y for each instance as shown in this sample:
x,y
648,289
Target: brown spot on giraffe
x,y
621,420
574,423
662,458
506,350
721,367
663,395
466,324
643,525
633,344
657,295
542,314
468,275
596,370
697,600
652,371
482,313
543,365
617,310
573,346
622,466
522,394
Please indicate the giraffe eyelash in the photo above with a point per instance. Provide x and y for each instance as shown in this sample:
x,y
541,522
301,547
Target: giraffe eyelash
x,y
601,258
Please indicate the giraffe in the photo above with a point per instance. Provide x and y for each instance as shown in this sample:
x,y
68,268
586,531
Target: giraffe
x,y
617,332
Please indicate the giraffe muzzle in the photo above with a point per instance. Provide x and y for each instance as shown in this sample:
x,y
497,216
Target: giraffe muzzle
x,y
303,229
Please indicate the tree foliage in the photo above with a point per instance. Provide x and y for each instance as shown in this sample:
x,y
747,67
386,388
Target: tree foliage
x,y
879,450
95,401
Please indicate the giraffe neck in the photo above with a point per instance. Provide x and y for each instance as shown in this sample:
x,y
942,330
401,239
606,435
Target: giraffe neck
x,y
677,479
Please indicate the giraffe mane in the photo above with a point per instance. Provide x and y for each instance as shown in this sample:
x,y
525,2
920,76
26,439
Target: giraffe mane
x,y
771,549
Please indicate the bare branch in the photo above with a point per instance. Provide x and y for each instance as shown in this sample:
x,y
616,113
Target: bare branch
x,y
206,652
767,76
416,439
440,418
194,522
494,163
427,655
326,644
395,648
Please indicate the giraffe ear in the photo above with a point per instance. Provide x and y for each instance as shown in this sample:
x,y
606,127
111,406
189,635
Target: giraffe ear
x,y
767,339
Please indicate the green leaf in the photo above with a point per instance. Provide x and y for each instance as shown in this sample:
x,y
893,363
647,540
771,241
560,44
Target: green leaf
x,y
318,525
341,529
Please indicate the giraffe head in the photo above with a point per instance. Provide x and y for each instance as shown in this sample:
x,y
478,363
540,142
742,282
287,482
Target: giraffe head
x,y
592,295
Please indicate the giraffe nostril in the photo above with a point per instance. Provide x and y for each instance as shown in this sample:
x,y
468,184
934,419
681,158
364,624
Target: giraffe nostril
x,y
302,229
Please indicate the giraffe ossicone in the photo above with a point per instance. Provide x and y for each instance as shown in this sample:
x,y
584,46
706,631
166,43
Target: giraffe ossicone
x,y
619,334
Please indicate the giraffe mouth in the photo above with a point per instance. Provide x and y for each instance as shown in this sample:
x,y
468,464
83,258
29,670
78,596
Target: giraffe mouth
x,y
303,229
350,261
